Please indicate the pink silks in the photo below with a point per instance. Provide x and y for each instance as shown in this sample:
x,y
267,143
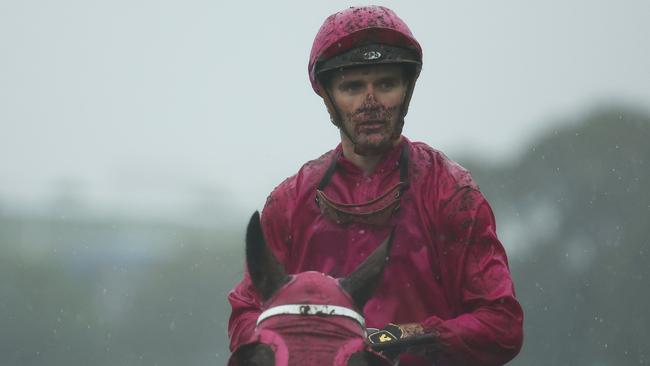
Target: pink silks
x,y
377,211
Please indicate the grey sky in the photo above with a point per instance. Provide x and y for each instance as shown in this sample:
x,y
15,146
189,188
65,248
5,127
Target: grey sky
x,y
145,103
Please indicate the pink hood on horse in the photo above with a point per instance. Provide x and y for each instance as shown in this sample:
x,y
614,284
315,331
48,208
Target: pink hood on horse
x,y
314,338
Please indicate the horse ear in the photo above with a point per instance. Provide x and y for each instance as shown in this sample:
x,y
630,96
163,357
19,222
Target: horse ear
x,y
267,274
361,283
252,354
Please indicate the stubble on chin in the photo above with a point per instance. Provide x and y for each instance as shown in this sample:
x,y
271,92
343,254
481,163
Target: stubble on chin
x,y
376,138
375,143
371,141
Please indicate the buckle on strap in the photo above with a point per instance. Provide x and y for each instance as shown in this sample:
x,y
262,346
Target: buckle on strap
x,y
311,309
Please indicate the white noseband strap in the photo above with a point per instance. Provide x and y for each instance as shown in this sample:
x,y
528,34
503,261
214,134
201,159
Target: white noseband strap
x,y
312,309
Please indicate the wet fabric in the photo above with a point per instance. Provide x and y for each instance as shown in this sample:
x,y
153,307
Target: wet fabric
x,y
447,270
377,211
309,340
311,287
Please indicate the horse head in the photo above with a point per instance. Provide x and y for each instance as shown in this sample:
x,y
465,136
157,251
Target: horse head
x,y
309,318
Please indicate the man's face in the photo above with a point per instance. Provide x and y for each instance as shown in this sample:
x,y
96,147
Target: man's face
x,y
369,100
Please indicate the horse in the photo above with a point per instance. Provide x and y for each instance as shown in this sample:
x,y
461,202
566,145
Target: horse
x,y
309,318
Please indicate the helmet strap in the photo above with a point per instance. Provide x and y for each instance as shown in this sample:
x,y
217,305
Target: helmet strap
x,y
407,98
335,115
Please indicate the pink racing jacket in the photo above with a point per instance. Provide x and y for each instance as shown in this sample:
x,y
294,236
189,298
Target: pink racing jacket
x,y
447,269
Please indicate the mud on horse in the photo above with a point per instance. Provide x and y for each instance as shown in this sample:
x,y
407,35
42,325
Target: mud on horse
x,y
308,319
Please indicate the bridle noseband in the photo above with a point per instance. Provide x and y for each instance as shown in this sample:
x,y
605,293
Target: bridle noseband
x,y
312,309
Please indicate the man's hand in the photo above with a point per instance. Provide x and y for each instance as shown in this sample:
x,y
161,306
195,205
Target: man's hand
x,y
393,332
411,329
394,339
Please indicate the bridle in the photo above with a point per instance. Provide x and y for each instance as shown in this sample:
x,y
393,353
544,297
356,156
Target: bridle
x,y
312,310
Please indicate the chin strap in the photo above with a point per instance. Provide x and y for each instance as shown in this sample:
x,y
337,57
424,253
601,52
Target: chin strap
x,y
312,309
335,116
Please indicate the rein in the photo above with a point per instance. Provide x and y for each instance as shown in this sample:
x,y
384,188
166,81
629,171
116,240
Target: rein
x,y
312,309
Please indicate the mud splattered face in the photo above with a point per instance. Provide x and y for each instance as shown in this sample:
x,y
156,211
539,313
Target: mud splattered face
x,y
369,100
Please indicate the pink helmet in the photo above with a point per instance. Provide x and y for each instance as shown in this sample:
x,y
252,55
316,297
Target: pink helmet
x,y
340,41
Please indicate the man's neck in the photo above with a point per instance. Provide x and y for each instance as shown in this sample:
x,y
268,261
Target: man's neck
x,y
367,163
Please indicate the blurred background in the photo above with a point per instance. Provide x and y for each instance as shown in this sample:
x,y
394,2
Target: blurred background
x,y
137,136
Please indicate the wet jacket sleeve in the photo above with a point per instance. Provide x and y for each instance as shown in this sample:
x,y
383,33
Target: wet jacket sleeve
x,y
243,299
488,330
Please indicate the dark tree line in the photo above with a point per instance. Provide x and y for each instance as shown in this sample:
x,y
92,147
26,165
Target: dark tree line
x,y
580,199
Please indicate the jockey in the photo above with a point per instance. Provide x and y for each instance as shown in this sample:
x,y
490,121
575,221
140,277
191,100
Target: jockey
x,y
447,276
